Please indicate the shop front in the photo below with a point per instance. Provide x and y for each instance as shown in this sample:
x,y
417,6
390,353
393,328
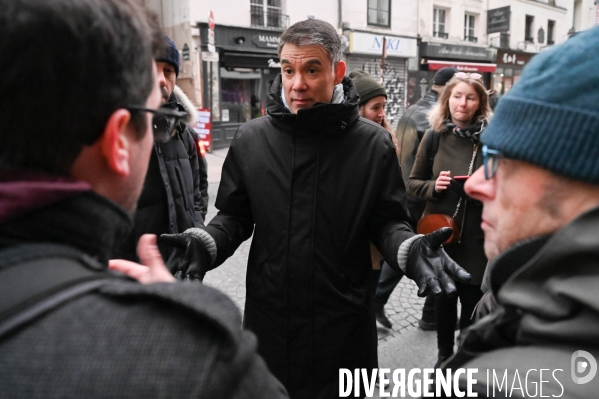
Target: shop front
x,y
509,68
365,52
237,76
434,56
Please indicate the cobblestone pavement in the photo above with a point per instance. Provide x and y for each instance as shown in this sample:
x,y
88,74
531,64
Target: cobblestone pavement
x,y
403,309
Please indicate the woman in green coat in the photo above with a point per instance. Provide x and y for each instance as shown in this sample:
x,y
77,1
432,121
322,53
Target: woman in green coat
x,y
458,120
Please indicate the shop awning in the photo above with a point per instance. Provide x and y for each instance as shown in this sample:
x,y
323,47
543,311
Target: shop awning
x,y
462,66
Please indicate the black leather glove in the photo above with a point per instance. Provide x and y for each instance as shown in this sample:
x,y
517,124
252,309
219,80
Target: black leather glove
x,y
457,186
193,254
431,268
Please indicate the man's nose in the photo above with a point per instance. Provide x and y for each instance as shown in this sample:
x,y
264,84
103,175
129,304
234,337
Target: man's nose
x,y
161,79
478,187
299,83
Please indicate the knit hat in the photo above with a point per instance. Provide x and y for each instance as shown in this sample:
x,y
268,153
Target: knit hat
x,y
367,87
443,75
171,55
550,118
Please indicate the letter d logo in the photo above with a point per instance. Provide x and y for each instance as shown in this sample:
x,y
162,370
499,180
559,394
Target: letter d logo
x,y
579,367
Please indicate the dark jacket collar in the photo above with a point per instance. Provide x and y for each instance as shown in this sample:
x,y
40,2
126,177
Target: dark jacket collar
x,y
546,281
322,118
86,221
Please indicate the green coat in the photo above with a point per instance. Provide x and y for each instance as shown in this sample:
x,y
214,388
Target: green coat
x,y
454,154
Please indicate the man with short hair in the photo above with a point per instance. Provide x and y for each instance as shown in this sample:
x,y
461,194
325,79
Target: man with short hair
x,y
314,183
69,328
410,129
175,193
539,186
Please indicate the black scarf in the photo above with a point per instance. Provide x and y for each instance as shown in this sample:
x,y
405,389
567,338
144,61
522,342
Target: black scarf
x,y
472,132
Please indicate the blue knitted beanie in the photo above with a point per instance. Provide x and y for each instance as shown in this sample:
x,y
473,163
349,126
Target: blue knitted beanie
x,y
171,55
550,118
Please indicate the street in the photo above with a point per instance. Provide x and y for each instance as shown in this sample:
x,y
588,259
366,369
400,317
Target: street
x,y
403,346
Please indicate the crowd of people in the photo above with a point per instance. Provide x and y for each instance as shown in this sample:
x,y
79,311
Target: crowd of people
x,y
319,183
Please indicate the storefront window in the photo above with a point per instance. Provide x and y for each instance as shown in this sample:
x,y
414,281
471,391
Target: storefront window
x,y
244,92
240,95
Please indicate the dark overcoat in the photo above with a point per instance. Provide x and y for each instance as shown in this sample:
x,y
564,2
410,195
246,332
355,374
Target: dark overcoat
x,y
454,154
317,186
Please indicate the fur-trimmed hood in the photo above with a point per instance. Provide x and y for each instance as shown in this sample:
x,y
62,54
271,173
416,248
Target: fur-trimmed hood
x,y
190,108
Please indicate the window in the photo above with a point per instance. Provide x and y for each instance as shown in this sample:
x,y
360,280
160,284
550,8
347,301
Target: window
x,y
378,12
267,13
469,28
550,33
528,31
439,23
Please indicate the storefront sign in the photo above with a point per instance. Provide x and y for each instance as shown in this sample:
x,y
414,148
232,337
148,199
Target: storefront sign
x,y
513,58
462,66
498,20
210,57
266,41
185,52
211,26
368,43
442,50
203,128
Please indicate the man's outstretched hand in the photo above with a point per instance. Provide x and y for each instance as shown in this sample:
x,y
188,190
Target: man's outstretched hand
x,y
151,269
431,268
190,259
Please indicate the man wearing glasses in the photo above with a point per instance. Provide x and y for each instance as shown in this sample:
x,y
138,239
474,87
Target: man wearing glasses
x,y
175,193
539,186
69,328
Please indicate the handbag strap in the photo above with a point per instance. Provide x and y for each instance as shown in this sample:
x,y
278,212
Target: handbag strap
x,y
474,152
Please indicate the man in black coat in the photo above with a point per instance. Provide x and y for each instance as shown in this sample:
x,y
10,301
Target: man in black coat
x,y
314,183
69,328
175,193
410,129
539,186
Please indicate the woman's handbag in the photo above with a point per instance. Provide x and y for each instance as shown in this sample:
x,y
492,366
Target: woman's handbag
x,y
435,221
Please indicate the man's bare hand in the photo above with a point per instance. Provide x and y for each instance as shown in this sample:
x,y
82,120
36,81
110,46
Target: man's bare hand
x,y
152,268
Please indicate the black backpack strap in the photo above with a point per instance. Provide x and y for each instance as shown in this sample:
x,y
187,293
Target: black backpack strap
x,y
432,146
37,278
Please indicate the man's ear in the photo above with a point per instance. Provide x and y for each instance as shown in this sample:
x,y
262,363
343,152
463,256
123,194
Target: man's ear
x,y
114,142
340,69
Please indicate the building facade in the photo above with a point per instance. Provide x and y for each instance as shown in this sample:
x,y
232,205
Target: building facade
x,y
229,48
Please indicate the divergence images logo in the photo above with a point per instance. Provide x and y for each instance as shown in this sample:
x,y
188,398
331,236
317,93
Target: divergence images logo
x,y
581,363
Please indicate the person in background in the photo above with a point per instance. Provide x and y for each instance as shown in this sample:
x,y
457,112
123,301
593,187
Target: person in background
x,y
372,105
459,118
539,187
69,327
175,194
410,129
314,183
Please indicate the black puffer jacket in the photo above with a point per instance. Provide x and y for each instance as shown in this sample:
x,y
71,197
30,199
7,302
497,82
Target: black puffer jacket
x,y
317,186
175,193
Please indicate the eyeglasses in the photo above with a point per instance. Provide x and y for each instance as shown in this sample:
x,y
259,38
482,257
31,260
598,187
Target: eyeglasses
x,y
490,161
164,122
464,75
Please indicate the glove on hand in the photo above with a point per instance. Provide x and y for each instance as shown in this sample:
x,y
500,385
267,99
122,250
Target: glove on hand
x,y
458,188
195,251
431,268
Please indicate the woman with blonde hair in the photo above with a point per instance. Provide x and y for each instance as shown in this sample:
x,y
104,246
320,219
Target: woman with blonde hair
x,y
452,148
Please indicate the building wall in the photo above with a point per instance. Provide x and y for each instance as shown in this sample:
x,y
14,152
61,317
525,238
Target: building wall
x,y
454,20
403,17
542,13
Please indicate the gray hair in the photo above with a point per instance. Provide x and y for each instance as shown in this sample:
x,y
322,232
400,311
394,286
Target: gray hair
x,y
314,31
